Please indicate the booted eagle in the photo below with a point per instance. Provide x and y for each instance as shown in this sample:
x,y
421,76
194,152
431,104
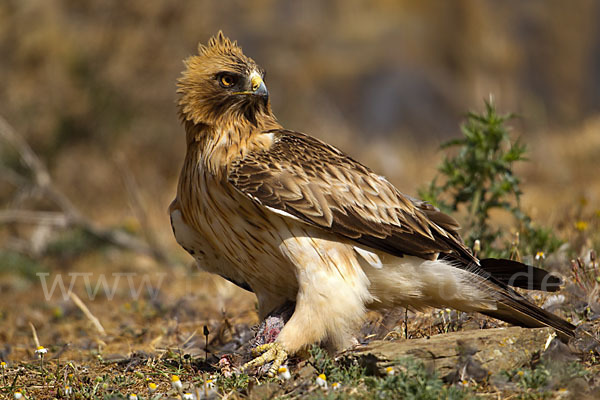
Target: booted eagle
x,y
293,219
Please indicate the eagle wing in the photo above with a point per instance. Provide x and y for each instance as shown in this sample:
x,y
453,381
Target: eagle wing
x,y
304,178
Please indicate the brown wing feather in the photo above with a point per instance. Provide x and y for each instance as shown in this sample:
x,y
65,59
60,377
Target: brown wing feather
x,y
316,183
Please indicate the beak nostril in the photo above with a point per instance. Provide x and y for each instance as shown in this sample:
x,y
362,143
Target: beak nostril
x,y
256,82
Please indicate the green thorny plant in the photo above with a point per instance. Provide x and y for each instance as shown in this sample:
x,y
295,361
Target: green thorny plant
x,y
480,177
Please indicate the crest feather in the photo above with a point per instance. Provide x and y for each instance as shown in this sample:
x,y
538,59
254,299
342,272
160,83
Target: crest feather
x,y
219,44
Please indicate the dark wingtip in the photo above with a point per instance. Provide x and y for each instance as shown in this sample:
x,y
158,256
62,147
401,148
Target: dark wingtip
x,y
516,274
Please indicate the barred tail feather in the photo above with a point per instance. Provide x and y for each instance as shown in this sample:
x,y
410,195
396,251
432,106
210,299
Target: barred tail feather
x,y
515,309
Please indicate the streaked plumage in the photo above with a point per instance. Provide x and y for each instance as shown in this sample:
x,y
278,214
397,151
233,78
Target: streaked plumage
x,y
293,219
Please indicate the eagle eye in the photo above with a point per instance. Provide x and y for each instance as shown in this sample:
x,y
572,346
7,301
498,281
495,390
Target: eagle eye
x,y
227,80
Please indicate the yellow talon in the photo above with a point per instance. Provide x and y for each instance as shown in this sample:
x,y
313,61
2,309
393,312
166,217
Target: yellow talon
x,y
270,352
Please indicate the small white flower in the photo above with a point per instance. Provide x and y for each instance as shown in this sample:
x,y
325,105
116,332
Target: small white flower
x,y
540,255
133,396
188,396
18,395
321,381
390,371
210,383
477,246
284,373
68,390
336,385
176,382
152,387
2,365
41,350
207,390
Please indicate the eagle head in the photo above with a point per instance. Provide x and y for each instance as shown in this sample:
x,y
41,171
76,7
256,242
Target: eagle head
x,y
222,84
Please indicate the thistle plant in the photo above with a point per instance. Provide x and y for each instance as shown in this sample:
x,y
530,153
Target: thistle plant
x,y
480,177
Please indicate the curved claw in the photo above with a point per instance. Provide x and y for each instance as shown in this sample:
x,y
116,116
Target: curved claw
x,y
270,352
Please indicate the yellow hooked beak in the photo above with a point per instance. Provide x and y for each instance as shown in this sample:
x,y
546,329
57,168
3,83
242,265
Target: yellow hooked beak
x,y
256,82
258,87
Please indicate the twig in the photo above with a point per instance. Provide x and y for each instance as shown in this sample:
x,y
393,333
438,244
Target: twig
x,y
189,338
406,323
69,215
575,269
55,218
40,172
36,341
41,175
14,382
39,350
206,333
95,321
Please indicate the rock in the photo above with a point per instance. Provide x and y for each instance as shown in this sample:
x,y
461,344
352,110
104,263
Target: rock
x,y
459,355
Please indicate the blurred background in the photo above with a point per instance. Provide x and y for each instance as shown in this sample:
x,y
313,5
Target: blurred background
x,y
385,80
90,85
